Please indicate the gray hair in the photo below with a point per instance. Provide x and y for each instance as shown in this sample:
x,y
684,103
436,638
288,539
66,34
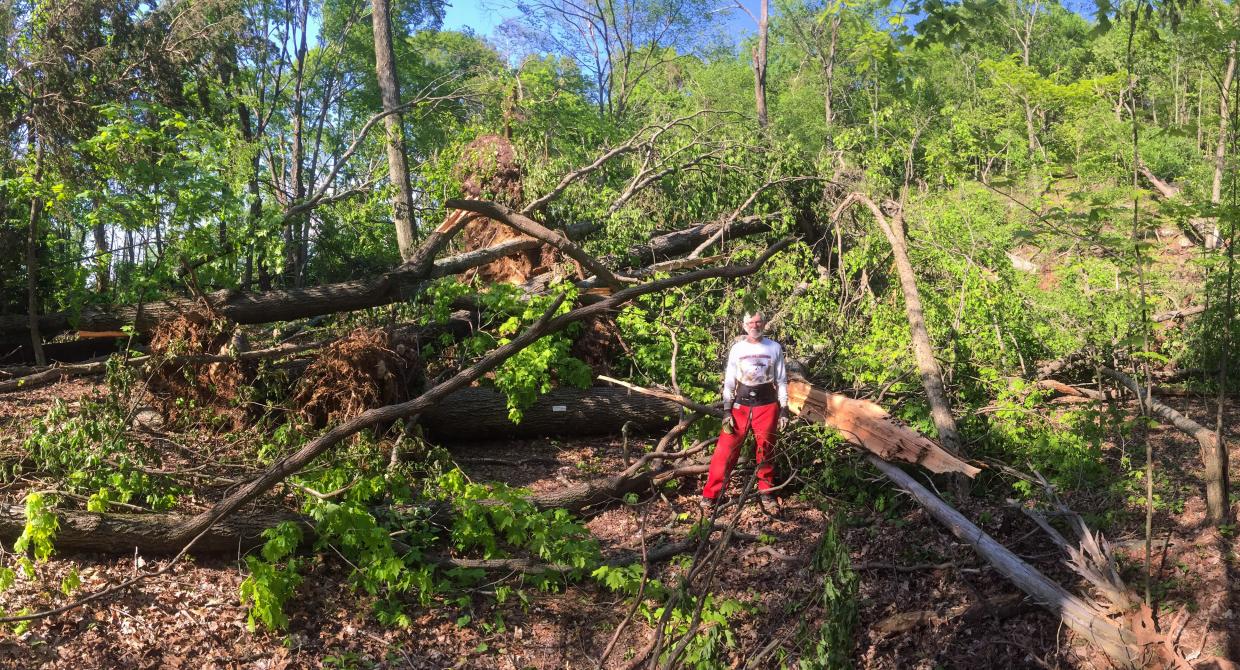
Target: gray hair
x,y
757,313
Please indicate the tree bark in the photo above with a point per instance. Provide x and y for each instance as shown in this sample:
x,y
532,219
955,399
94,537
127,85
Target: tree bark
x,y
103,262
482,414
275,305
1213,451
759,64
923,350
1220,149
829,71
294,232
389,90
32,258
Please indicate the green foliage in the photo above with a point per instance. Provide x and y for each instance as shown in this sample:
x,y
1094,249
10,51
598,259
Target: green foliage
x,y
270,585
531,372
88,453
41,526
833,643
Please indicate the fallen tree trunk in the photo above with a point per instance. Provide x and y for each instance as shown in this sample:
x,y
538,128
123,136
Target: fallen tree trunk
x,y
294,462
1213,453
482,414
1120,644
151,533
276,305
663,247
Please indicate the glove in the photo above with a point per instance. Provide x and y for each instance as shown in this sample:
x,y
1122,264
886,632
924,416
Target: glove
x,y
729,423
783,419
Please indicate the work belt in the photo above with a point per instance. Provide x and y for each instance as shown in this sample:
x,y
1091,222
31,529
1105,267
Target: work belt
x,y
752,396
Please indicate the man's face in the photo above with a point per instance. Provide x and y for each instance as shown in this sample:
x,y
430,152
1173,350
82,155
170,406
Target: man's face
x,y
754,325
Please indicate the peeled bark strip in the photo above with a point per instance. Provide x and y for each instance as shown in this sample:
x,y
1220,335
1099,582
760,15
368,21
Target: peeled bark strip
x,y
482,413
867,425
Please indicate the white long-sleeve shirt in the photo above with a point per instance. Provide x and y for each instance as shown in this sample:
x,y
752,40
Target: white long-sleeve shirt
x,y
755,363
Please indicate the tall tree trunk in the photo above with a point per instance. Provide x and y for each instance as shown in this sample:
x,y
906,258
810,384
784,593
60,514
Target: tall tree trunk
x,y
32,257
829,71
398,168
1220,149
923,350
1218,497
759,64
293,230
103,260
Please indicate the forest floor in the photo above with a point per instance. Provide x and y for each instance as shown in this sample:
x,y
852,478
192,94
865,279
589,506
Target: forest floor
x,y
925,599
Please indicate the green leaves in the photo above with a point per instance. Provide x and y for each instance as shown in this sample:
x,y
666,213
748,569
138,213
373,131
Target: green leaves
x,y
40,529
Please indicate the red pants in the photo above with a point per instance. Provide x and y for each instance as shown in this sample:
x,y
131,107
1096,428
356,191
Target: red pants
x,y
762,420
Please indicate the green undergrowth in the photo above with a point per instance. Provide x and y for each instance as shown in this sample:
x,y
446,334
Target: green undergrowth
x,y
84,450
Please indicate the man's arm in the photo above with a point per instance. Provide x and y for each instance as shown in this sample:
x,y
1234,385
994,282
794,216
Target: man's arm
x,y
781,378
729,378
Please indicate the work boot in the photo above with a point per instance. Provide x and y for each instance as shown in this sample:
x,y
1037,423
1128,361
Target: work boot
x,y
772,505
709,505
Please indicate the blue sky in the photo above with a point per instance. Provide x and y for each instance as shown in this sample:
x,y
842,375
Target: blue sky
x,y
484,16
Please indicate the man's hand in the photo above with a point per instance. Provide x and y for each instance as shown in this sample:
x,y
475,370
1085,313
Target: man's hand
x,y
783,418
729,423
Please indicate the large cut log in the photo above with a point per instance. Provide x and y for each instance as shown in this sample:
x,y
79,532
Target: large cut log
x,y
482,414
277,305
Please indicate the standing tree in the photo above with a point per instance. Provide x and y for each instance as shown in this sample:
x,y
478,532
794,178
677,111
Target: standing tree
x,y
389,90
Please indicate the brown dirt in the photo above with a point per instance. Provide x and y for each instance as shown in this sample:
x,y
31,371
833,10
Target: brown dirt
x,y
182,391
908,618
490,170
361,371
598,344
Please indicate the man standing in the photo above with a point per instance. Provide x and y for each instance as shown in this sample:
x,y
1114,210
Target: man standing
x,y
755,396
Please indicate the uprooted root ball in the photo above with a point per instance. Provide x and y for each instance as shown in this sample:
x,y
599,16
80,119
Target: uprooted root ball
x,y
187,390
361,371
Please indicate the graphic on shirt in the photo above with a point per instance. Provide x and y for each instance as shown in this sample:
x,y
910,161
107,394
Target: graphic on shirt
x,y
755,369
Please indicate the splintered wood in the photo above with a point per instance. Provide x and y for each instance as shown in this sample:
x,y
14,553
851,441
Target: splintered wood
x,y
866,425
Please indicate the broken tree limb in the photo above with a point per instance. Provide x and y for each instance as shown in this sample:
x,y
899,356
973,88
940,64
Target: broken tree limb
x,y
1119,644
869,426
546,324
861,422
482,414
1213,453
923,350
